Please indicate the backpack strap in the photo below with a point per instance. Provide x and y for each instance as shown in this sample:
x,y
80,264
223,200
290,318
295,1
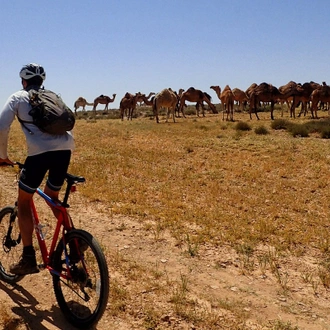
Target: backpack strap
x,y
23,124
28,89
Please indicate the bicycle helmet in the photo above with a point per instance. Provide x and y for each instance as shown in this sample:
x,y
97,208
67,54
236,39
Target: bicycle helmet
x,y
32,70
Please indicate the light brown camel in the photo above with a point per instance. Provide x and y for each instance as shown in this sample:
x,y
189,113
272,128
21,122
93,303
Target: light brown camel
x,y
227,99
321,94
103,99
81,102
128,105
165,99
265,93
196,95
240,97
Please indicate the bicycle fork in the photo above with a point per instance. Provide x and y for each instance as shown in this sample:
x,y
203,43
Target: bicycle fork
x,y
8,242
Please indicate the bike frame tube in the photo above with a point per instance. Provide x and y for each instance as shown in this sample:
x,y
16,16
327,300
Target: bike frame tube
x,y
62,220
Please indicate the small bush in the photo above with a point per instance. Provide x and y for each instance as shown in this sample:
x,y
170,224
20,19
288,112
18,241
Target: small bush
x,y
299,131
261,130
242,126
325,133
280,124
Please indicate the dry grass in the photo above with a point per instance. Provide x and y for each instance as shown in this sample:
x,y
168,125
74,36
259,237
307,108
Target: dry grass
x,y
207,183
262,191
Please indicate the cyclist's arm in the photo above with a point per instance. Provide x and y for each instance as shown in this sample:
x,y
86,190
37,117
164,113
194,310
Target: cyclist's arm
x,y
7,115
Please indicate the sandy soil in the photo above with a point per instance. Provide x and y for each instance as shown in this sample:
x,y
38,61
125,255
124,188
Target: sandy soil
x,y
216,274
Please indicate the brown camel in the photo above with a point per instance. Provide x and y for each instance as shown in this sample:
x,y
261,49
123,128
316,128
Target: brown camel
x,y
240,97
227,99
128,104
103,99
290,88
250,89
143,97
81,102
165,99
265,93
303,96
321,94
195,95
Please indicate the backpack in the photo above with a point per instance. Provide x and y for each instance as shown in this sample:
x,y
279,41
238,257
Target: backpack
x,y
50,114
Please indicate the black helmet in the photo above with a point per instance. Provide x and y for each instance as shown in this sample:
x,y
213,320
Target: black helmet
x,y
32,70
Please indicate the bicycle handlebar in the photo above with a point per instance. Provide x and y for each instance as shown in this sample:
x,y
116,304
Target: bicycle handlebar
x,y
6,164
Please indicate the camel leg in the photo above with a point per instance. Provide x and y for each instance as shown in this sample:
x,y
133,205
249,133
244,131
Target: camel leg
x,y
155,109
293,109
197,109
203,110
272,103
253,106
181,110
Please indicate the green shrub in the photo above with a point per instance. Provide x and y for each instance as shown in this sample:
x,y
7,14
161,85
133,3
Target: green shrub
x,y
242,126
261,130
325,133
280,124
299,130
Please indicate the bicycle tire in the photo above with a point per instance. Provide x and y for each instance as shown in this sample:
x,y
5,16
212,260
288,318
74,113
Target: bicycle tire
x,y
11,250
81,311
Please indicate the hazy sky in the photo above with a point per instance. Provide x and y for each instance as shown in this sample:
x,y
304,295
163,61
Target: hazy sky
x,y
98,47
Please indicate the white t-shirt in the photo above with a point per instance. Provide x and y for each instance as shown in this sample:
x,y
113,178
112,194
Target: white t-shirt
x,y
38,142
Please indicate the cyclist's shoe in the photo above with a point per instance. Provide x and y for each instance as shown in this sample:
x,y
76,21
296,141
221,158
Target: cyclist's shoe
x,y
27,265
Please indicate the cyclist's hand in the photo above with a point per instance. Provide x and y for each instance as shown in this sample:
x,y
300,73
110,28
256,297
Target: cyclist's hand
x,y
6,162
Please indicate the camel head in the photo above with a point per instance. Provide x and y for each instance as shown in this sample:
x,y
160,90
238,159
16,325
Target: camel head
x,y
217,90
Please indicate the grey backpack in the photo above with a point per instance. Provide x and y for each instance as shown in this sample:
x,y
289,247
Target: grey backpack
x,y
50,114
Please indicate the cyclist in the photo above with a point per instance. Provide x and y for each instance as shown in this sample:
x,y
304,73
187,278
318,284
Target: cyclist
x,y
45,152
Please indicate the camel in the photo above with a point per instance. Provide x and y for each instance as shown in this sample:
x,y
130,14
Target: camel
x,y
290,88
145,99
321,94
81,102
240,97
142,99
266,93
227,99
103,99
250,89
303,95
196,95
165,99
128,103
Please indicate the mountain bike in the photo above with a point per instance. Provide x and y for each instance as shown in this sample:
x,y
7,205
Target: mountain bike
x,y
73,257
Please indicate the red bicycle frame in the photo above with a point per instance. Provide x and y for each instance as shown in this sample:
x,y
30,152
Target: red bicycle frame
x,y
63,220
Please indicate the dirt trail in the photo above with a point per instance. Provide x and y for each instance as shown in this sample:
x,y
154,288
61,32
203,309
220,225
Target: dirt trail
x,y
214,275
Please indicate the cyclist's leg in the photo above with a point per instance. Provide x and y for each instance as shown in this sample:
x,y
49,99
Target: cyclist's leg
x,y
25,221
30,178
58,168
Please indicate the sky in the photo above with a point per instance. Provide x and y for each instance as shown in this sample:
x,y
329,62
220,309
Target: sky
x,y
89,48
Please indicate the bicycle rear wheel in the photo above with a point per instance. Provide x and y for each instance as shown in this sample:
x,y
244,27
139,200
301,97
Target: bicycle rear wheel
x,y
11,249
83,295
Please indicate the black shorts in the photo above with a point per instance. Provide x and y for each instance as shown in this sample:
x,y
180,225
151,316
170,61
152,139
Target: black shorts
x,y
36,167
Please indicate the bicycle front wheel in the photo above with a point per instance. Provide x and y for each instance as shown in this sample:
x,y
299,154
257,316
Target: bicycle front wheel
x,y
11,249
81,285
